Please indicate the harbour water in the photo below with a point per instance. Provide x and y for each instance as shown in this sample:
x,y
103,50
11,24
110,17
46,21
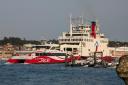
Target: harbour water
x,y
56,74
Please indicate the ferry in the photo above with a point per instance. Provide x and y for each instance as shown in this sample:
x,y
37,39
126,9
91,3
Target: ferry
x,y
49,57
42,57
86,40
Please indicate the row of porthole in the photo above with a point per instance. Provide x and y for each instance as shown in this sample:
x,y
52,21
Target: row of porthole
x,y
90,40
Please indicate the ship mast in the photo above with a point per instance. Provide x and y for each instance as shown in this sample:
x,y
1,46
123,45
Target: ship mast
x,y
81,33
70,24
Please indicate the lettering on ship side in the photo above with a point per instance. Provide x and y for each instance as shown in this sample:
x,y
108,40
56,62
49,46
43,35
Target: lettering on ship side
x,y
44,60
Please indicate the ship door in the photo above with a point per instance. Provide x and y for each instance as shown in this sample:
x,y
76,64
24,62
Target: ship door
x,y
68,50
75,51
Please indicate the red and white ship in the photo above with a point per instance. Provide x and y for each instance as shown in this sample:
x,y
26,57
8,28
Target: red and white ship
x,y
34,56
48,57
84,38
42,57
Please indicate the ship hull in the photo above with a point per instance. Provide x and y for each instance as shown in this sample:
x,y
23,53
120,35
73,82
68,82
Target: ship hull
x,y
19,59
48,57
47,60
14,61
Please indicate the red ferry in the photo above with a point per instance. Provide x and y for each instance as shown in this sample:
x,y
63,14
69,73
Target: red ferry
x,y
42,57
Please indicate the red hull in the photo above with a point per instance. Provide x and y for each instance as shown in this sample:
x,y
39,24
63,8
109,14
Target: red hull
x,y
45,60
13,61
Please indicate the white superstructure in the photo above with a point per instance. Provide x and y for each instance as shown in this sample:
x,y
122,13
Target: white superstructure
x,y
84,39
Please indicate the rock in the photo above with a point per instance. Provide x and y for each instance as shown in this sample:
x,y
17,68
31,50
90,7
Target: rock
x,y
122,68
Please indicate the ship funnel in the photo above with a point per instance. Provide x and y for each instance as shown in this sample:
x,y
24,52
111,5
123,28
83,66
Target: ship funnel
x,y
93,28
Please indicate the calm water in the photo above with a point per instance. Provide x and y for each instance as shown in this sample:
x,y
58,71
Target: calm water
x,y
56,74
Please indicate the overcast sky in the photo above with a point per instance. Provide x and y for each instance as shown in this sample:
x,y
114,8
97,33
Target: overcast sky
x,y
46,19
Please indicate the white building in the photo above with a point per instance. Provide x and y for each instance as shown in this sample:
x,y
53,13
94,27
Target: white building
x,y
118,51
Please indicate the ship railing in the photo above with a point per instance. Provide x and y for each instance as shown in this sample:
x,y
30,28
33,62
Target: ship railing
x,y
69,41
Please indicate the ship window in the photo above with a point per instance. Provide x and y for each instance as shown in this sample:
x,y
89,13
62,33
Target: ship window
x,y
102,36
74,49
59,54
38,47
87,39
80,39
69,49
38,54
79,34
67,34
73,39
53,54
85,34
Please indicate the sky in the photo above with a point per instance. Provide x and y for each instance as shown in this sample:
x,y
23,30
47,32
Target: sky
x,y
47,19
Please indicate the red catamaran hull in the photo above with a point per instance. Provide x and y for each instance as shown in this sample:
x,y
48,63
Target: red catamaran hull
x,y
46,60
13,61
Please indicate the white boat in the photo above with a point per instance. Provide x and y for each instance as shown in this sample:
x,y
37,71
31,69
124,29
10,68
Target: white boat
x,y
84,39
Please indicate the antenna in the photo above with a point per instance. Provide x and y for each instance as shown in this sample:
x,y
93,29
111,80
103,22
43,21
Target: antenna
x,y
82,20
70,24
70,19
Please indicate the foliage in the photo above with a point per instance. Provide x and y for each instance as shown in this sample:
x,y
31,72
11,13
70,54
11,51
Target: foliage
x,y
17,41
117,44
53,41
